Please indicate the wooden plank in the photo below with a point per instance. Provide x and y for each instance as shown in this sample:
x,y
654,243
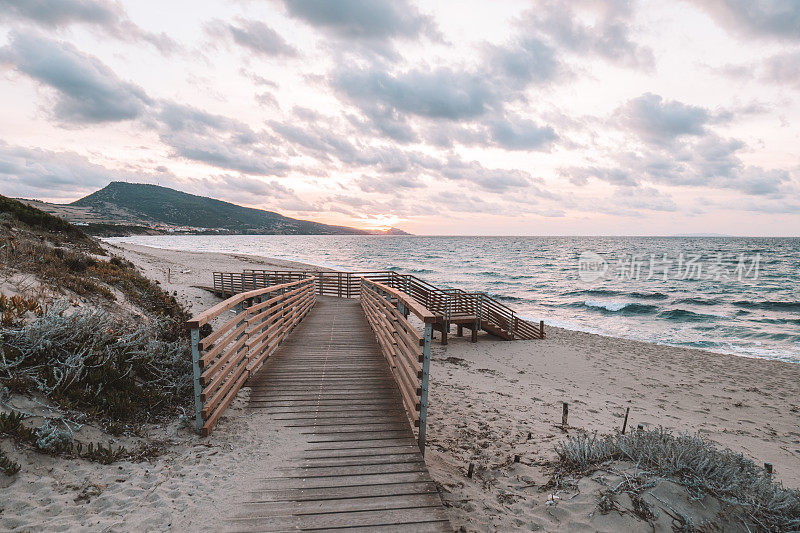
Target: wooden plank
x,y
340,505
363,459
310,474
389,517
345,481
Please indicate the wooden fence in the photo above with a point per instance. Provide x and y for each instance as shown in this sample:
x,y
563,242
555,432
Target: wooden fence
x,y
471,310
223,359
407,352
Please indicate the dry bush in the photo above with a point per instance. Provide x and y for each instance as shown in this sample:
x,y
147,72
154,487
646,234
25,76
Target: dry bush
x,y
99,364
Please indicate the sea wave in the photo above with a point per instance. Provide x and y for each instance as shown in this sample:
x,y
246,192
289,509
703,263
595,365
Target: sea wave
x,y
628,308
768,305
699,301
685,315
611,292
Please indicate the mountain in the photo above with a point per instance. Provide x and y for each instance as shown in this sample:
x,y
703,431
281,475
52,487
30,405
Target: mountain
x,y
124,208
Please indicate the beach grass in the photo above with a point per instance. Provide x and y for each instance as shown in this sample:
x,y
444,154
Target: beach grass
x,y
745,489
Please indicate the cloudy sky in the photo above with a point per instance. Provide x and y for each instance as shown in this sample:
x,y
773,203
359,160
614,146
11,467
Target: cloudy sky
x,y
439,117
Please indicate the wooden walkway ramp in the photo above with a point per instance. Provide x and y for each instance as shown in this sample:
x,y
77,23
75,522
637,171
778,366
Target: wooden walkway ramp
x,y
359,467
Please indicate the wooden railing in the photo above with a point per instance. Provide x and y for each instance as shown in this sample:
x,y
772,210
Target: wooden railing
x,y
407,352
474,310
223,359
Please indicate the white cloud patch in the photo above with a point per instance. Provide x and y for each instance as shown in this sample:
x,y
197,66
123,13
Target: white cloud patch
x,y
87,91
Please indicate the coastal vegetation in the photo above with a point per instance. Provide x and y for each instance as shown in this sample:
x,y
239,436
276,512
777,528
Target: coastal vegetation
x,y
747,492
85,335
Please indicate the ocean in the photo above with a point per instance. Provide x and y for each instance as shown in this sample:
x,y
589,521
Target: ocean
x,y
723,294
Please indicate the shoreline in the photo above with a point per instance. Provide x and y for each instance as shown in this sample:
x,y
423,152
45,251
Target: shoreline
x,y
279,263
489,401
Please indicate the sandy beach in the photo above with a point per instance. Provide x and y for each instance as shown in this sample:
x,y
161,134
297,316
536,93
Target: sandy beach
x,y
486,398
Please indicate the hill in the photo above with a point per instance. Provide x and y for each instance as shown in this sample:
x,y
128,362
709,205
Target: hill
x,y
127,208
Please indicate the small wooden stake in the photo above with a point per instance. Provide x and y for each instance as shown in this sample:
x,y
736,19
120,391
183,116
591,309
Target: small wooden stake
x,y
470,470
169,276
564,414
640,427
625,422
529,435
516,458
768,468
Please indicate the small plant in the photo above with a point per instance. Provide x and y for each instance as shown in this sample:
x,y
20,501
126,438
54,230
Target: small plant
x,y
101,454
8,466
11,425
52,440
13,310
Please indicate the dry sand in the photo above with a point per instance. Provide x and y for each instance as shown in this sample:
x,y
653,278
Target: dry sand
x,y
485,399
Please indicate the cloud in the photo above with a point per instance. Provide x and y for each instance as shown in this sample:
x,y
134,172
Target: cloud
x,y
777,19
608,36
782,68
522,134
253,35
438,93
647,198
105,15
87,91
248,191
530,60
216,140
392,184
660,122
706,161
494,180
363,19
34,171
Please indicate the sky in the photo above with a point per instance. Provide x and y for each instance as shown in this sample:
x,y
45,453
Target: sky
x,y
587,117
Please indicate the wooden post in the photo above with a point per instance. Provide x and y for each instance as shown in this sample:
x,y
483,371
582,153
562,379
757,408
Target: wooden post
x,y
198,388
169,276
423,400
470,470
478,317
625,422
768,468
541,329
564,414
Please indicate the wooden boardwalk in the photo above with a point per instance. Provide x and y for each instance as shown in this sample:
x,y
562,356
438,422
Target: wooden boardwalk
x,y
359,467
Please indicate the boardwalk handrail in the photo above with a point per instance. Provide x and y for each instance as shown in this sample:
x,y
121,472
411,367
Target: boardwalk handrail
x,y
450,305
223,359
406,351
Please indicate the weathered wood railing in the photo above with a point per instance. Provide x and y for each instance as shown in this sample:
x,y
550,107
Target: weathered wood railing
x,y
474,310
223,359
406,350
